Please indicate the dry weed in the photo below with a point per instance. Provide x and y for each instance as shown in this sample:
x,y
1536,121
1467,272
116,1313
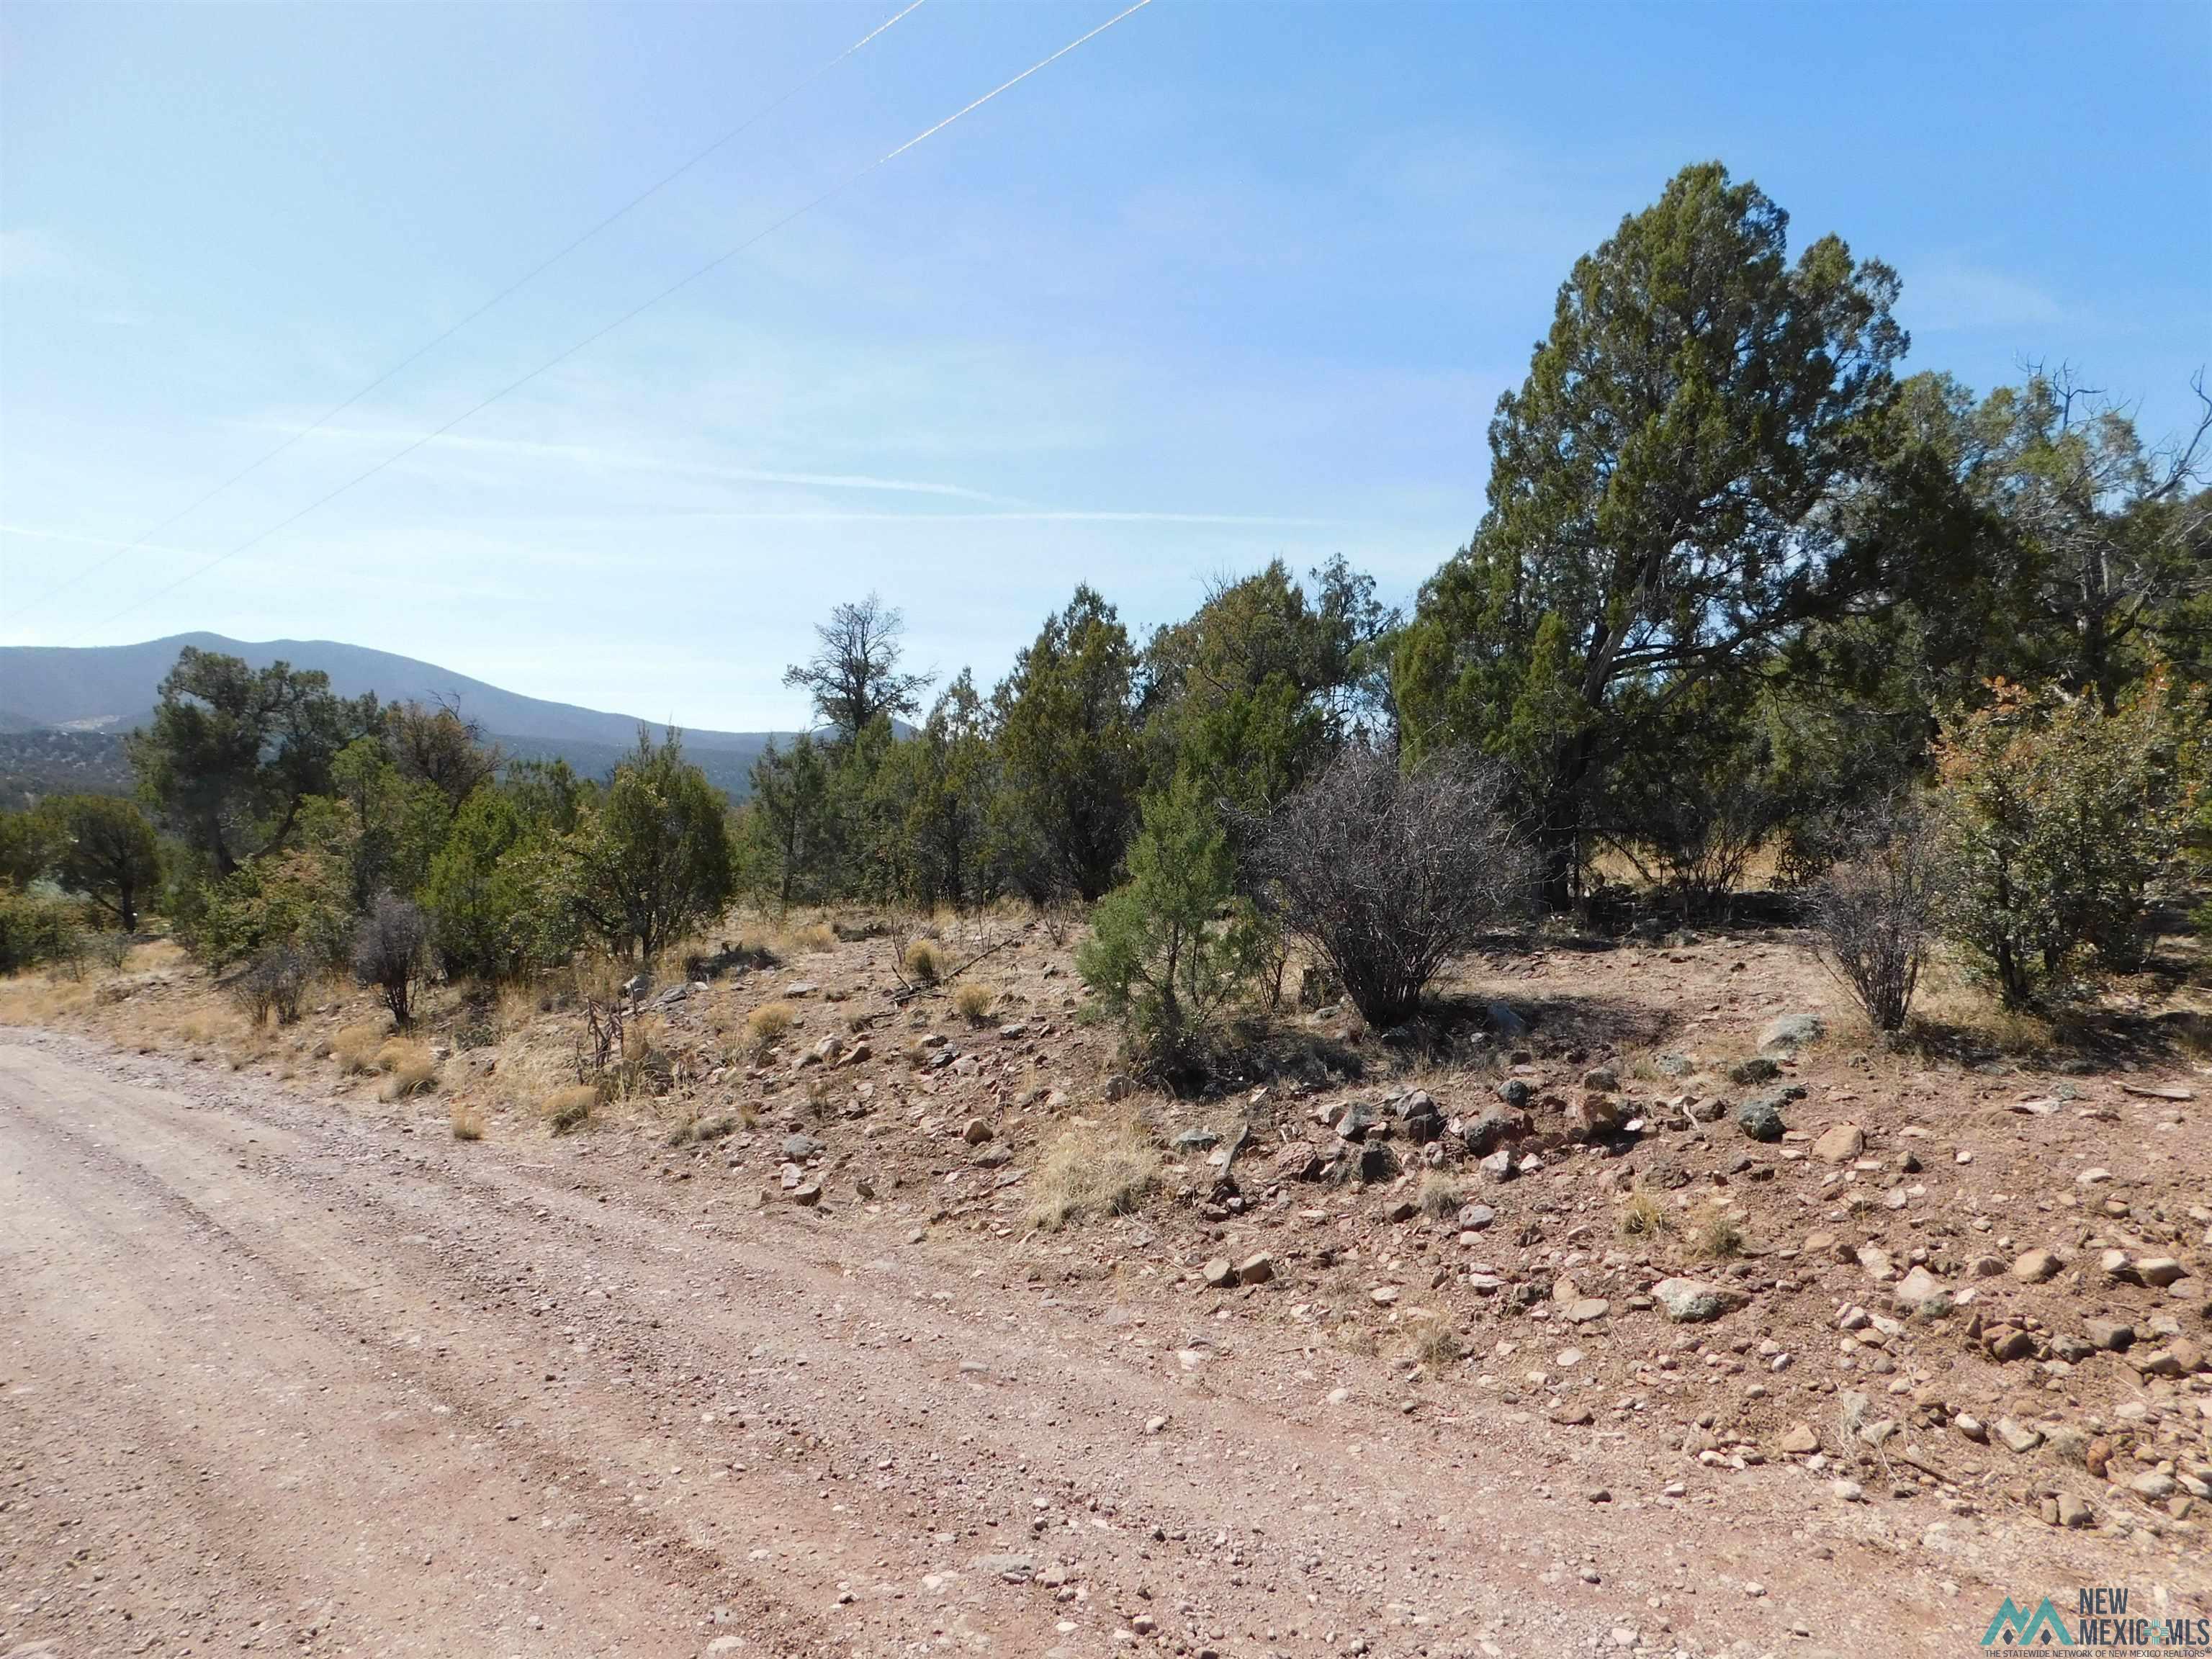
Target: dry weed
x,y
468,1122
973,1003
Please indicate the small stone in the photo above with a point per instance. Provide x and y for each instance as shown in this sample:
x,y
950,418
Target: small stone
x,y
2018,1435
2006,1343
2111,1335
1799,1439
1972,1427
977,1132
1383,1294
2073,1512
1584,1310
1839,1144
2033,1267
1849,1491
1756,1069
1921,1292
2160,1271
1761,1119
1220,1273
1014,1569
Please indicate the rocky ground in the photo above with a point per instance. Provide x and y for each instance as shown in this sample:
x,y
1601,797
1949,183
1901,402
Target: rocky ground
x,y
1668,1312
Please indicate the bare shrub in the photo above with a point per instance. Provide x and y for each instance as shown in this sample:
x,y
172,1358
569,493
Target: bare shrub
x,y
275,984
390,950
1873,914
1389,873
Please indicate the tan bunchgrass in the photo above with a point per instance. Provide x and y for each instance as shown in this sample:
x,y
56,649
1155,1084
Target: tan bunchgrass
x,y
1093,1170
768,1025
570,1108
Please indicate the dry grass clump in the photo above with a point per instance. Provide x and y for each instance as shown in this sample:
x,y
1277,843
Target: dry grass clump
x,y
972,1002
1644,1217
1094,1170
570,1108
1719,1235
468,1122
1440,1195
410,1067
355,1046
815,936
768,1025
1430,1340
924,964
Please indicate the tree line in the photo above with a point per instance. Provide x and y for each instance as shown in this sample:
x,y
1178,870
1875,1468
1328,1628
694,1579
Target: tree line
x,y
1742,590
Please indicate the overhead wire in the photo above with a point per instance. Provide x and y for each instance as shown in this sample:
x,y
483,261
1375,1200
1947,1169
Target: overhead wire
x,y
600,333
512,289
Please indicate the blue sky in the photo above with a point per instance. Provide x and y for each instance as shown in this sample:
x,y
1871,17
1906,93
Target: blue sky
x,y
1232,281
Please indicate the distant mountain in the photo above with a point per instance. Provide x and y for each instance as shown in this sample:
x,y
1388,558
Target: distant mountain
x,y
102,692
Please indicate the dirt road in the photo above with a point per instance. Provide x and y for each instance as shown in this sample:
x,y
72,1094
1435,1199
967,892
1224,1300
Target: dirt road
x,y
276,1375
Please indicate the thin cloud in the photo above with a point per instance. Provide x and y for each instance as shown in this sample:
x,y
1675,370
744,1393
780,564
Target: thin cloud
x,y
625,461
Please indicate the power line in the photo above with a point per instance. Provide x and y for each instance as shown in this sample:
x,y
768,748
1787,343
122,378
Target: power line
x,y
513,288
678,286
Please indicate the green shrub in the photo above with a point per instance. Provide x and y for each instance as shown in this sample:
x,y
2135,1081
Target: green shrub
x,y
2059,822
1172,950
37,931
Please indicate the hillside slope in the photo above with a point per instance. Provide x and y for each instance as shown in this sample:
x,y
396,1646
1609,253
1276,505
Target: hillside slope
x,y
105,690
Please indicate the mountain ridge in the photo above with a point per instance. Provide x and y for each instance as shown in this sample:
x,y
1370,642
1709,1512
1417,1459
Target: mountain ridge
x,y
106,691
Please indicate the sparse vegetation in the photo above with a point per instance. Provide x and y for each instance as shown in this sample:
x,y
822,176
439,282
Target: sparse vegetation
x,y
972,1002
467,1122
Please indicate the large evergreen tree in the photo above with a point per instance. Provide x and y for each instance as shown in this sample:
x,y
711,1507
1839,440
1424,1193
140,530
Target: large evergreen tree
x,y
1666,498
